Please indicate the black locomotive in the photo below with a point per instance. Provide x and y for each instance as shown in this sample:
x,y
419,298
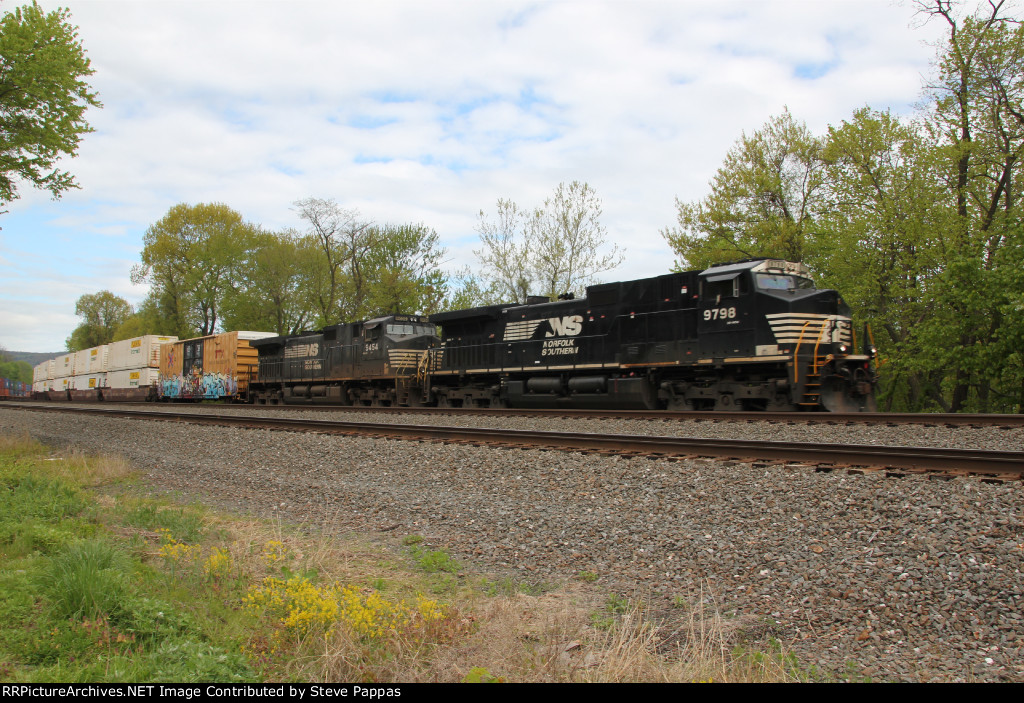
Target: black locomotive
x,y
364,363
752,335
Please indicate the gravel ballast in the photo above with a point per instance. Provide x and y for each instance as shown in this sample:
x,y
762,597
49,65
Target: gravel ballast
x,y
907,578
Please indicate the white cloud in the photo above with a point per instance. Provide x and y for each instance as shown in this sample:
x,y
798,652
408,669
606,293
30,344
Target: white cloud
x,y
431,111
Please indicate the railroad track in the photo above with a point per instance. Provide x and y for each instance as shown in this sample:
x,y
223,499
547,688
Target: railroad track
x,y
1001,465
892,419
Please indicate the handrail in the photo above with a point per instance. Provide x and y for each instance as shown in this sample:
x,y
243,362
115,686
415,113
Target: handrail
x,y
821,333
796,354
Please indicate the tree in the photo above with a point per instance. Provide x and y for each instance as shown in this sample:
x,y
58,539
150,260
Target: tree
x,y
192,257
102,314
343,238
145,320
569,240
507,251
14,370
557,248
762,200
877,241
403,265
977,118
43,99
272,291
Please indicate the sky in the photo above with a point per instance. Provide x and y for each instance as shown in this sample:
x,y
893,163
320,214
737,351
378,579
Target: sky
x,y
428,112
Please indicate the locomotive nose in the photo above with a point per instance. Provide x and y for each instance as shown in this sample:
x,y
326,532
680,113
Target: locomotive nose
x,y
829,302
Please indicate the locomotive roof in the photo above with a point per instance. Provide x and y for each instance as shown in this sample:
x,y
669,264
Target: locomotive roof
x,y
772,265
489,312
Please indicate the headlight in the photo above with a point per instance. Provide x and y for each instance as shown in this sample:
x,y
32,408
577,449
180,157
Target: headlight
x,y
842,348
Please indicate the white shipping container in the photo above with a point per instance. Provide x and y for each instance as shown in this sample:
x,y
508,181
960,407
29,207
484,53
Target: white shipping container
x,y
64,366
39,372
132,378
136,353
88,381
98,359
40,386
61,384
51,369
81,362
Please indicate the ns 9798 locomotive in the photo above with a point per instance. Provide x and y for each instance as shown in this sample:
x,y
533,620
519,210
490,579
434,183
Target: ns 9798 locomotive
x,y
752,335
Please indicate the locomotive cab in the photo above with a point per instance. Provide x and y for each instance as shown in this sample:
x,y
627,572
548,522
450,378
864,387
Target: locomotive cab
x,y
770,310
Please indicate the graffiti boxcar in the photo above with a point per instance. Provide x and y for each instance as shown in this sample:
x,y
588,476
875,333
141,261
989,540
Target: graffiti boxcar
x,y
214,367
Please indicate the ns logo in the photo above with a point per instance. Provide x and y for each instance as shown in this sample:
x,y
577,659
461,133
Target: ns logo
x,y
565,326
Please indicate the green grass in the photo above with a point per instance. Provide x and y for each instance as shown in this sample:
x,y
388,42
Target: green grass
x,y
78,602
98,584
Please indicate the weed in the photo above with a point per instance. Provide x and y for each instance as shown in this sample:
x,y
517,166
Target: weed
x,y
179,523
507,586
587,576
435,561
479,674
86,580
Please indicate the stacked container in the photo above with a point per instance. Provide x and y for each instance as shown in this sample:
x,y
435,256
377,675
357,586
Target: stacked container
x,y
39,377
132,367
64,365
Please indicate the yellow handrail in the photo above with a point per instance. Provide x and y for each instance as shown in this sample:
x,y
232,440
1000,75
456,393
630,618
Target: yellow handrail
x,y
796,351
796,354
821,333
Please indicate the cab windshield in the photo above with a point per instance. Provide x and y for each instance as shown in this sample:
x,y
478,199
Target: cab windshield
x,y
771,281
408,329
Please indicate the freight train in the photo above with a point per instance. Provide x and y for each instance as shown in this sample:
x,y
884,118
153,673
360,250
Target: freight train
x,y
751,335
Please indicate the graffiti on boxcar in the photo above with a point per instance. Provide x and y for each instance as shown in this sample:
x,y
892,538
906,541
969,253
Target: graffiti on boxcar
x,y
197,385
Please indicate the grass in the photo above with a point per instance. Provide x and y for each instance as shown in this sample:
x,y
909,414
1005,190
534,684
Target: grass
x,y
98,584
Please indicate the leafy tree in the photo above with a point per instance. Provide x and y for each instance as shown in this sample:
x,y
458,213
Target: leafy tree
x,y
506,254
14,370
917,221
877,240
556,248
465,289
977,119
272,290
403,266
102,314
762,200
43,99
145,320
192,258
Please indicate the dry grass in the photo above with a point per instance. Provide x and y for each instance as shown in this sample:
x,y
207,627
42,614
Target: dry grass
x,y
72,465
570,634
21,445
93,471
550,638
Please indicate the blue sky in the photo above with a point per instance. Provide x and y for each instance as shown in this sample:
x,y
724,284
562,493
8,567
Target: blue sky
x,y
428,112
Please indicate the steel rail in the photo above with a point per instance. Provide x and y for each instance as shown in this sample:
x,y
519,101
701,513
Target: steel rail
x,y
937,419
1008,464
927,419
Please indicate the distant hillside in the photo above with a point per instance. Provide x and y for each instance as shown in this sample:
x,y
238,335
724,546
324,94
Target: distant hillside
x,y
32,358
